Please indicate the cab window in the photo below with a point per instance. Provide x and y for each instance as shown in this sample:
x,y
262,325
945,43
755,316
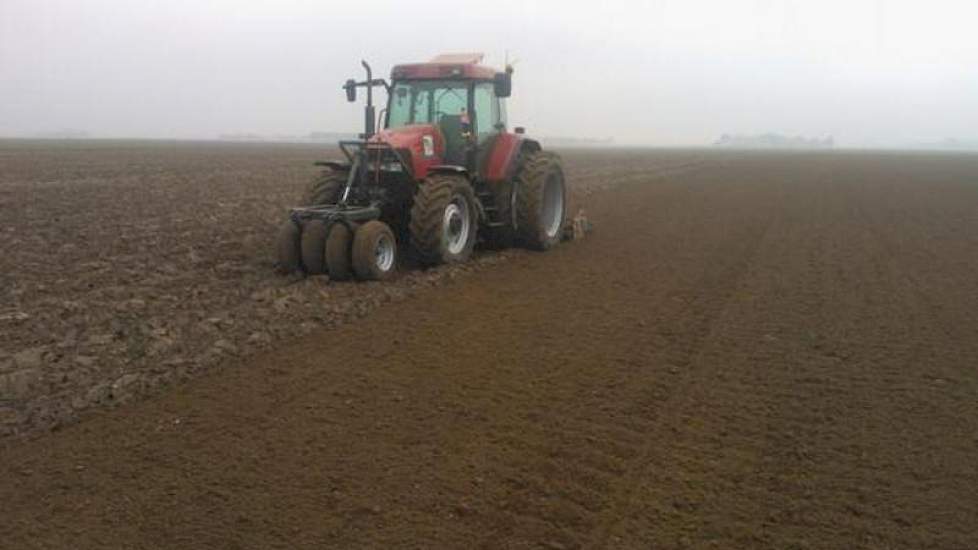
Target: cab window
x,y
426,102
486,111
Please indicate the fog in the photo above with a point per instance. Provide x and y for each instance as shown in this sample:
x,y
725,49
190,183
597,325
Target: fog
x,y
869,73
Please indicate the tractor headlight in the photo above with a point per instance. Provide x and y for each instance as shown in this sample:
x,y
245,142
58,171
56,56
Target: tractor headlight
x,y
428,146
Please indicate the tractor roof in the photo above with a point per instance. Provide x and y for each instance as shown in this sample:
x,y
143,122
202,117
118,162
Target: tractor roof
x,y
455,65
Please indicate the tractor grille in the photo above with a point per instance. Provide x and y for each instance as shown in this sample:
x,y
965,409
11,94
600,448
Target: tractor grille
x,y
387,160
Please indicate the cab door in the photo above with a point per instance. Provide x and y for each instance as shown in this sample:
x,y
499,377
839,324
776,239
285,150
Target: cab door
x,y
489,122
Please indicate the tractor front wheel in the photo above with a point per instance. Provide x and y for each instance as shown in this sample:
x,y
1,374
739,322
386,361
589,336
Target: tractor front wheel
x,y
374,251
338,245
325,189
314,247
444,220
287,247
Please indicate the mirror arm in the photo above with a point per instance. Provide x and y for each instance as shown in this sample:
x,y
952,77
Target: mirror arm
x,y
369,83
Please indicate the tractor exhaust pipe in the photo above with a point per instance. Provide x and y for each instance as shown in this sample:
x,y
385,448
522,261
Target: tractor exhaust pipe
x,y
351,86
369,116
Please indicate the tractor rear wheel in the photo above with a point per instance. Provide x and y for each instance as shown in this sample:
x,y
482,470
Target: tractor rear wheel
x,y
443,219
325,189
314,247
338,245
287,247
374,251
541,201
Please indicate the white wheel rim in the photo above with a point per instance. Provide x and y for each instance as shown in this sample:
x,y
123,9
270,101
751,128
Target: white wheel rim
x,y
553,205
384,253
456,225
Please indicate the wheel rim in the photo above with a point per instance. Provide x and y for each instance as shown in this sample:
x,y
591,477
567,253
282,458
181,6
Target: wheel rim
x,y
384,253
456,225
553,205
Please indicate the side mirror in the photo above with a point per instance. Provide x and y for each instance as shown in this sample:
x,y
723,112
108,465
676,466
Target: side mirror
x,y
503,84
351,90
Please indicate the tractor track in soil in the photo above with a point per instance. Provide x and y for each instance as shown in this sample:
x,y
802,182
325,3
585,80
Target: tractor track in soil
x,y
770,351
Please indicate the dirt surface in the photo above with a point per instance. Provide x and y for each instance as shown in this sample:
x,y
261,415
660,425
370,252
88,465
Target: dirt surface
x,y
127,266
771,351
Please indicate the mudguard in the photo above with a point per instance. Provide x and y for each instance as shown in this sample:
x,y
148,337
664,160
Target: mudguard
x,y
505,156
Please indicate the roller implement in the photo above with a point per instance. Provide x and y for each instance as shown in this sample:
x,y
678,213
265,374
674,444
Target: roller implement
x,y
444,173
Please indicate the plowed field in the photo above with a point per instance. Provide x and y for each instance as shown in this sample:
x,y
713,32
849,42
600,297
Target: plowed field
x,y
750,351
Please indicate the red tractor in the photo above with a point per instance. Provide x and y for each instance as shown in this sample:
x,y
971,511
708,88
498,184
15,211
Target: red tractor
x,y
443,173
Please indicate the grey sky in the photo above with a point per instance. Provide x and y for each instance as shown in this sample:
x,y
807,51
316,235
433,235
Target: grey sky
x,y
666,72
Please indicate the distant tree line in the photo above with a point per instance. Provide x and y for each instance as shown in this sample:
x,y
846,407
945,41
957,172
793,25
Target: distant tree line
x,y
773,141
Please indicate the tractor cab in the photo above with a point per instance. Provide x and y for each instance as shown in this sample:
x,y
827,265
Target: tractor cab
x,y
456,96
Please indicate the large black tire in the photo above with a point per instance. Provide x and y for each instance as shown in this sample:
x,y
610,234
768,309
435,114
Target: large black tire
x,y
374,251
338,245
444,220
541,201
314,247
325,189
287,247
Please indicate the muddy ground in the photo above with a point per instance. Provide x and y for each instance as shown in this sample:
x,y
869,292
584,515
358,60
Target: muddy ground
x,y
129,265
751,350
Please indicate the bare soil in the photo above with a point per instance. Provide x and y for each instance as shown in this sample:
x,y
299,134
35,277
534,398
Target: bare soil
x,y
751,350
129,265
